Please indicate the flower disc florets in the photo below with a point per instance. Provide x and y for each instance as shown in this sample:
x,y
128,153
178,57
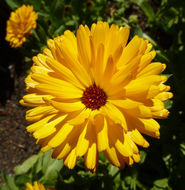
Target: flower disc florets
x,y
94,97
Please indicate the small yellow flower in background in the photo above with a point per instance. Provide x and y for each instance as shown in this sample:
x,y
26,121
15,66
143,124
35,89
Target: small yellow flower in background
x,y
21,21
36,186
94,93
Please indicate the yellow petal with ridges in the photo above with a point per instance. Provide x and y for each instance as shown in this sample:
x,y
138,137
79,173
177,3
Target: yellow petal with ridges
x,y
163,96
146,59
138,138
71,159
67,107
80,118
83,43
48,128
61,135
64,92
91,156
130,51
115,114
33,127
35,99
65,73
152,69
111,154
83,142
136,157
101,132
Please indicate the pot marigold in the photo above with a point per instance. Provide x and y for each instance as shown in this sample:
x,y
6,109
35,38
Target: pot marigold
x,y
94,93
21,21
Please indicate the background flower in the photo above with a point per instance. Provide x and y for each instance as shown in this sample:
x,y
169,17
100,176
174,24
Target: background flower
x,y
36,186
21,21
95,93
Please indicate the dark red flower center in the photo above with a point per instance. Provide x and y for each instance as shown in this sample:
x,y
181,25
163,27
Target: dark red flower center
x,y
94,97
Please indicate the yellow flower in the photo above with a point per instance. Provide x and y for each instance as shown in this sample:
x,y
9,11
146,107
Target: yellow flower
x,y
19,25
36,186
94,93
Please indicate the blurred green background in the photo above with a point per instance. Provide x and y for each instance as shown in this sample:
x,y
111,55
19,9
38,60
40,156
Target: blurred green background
x,y
162,22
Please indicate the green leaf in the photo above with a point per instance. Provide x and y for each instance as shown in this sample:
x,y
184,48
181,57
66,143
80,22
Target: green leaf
x,y
47,160
39,162
143,156
148,10
21,180
58,8
9,180
59,30
52,172
13,4
42,34
182,148
113,171
4,187
133,19
162,183
25,167
36,4
168,104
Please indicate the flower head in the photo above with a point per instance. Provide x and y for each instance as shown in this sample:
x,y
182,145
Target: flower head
x,y
95,93
36,186
21,21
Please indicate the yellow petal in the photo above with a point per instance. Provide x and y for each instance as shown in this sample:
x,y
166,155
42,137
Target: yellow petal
x,y
80,118
146,59
35,99
91,156
115,114
101,132
37,125
40,110
68,107
163,96
64,72
111,154
61,135
83,142
138,138
130,51
71,159
136,157
149,127
63,92
152,69
77,69
48,128
83,43
138,89
126,103
117,138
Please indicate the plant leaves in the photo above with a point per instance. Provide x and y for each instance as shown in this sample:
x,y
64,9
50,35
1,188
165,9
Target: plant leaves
x,y
24,168
9,180
13,4
148,10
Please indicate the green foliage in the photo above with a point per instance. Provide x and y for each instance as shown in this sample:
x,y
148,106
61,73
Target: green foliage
x,y
40,167
13,4
162,166
148,10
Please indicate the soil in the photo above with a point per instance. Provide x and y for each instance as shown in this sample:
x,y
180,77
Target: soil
x,y
16,144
